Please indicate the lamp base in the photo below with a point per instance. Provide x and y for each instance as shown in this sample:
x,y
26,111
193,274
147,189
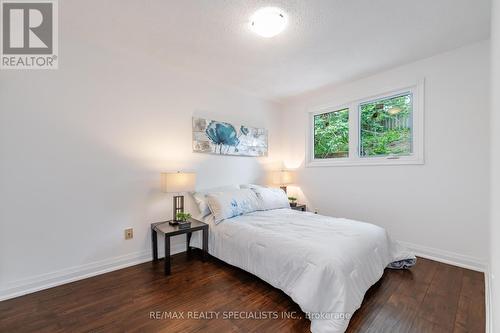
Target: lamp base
x,y
178,206
283,188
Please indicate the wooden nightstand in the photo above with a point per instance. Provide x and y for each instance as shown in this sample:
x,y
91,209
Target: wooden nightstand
x,y
300,207
172,230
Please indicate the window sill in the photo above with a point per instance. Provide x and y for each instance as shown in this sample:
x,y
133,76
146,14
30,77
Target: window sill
x,y
365,162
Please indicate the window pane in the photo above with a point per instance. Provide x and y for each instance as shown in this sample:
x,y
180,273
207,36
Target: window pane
x,y
331,134
386,126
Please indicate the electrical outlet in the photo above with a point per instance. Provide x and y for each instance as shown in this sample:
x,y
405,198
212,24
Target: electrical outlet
x,y
129,233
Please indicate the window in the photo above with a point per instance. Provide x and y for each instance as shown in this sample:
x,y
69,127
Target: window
x,y
384,129
331,134
385,126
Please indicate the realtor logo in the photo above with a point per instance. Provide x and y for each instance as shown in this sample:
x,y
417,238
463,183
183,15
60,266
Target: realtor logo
x,y
29,34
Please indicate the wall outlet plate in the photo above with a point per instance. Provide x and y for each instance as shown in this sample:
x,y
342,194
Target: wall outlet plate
x,y
129,233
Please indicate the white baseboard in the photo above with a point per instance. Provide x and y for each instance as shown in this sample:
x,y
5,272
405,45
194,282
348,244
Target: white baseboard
x,y
57,278
448,257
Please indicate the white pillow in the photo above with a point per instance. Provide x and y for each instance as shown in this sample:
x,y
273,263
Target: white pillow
x,y
225,205
200,197
250,186
271,198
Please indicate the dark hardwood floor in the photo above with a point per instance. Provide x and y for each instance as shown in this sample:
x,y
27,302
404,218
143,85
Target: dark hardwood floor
x,y
431,297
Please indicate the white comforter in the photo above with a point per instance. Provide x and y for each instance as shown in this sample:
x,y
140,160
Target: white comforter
x,y
324,264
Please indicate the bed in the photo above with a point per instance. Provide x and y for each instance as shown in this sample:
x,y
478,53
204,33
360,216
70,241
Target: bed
x,y
324,264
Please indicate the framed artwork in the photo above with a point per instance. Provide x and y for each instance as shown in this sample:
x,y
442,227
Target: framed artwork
x,y
222,138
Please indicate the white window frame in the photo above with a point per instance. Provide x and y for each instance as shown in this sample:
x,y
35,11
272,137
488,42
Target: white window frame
x,y
417,156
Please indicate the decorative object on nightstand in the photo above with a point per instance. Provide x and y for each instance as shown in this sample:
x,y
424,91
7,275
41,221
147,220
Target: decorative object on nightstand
x,y
299,207
183,220
177,183
169,230
283,178
293,201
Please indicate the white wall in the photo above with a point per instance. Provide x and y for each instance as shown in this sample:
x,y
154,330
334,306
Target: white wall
x,y
81,152
441,206
495,167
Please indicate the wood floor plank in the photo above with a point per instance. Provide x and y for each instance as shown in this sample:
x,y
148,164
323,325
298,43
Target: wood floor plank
x,y
440,303
396,307
431,297
399,311
471,306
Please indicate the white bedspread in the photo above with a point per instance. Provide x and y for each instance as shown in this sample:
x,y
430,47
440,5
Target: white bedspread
x,y
324,264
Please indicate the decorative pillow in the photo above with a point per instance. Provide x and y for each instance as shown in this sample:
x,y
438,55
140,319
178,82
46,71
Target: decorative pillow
x,y
271,198
225,205
200,197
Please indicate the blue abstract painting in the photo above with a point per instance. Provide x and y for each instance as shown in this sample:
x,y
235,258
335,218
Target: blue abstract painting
x,y
217,137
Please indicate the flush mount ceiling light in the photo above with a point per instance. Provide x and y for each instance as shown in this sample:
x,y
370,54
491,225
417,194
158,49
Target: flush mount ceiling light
x,y
268,22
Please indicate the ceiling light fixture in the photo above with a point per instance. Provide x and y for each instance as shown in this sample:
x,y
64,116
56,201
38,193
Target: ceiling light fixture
x,y
268,21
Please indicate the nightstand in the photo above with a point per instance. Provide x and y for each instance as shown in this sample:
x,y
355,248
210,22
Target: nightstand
x,y
299,207
172,230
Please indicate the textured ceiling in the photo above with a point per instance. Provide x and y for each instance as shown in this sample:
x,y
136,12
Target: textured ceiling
x,y
326,41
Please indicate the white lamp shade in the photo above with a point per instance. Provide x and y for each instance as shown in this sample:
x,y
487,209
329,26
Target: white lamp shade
x,y
177,182
283,177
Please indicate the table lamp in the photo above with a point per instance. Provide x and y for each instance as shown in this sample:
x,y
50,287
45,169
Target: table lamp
x,y
283,178
177,183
